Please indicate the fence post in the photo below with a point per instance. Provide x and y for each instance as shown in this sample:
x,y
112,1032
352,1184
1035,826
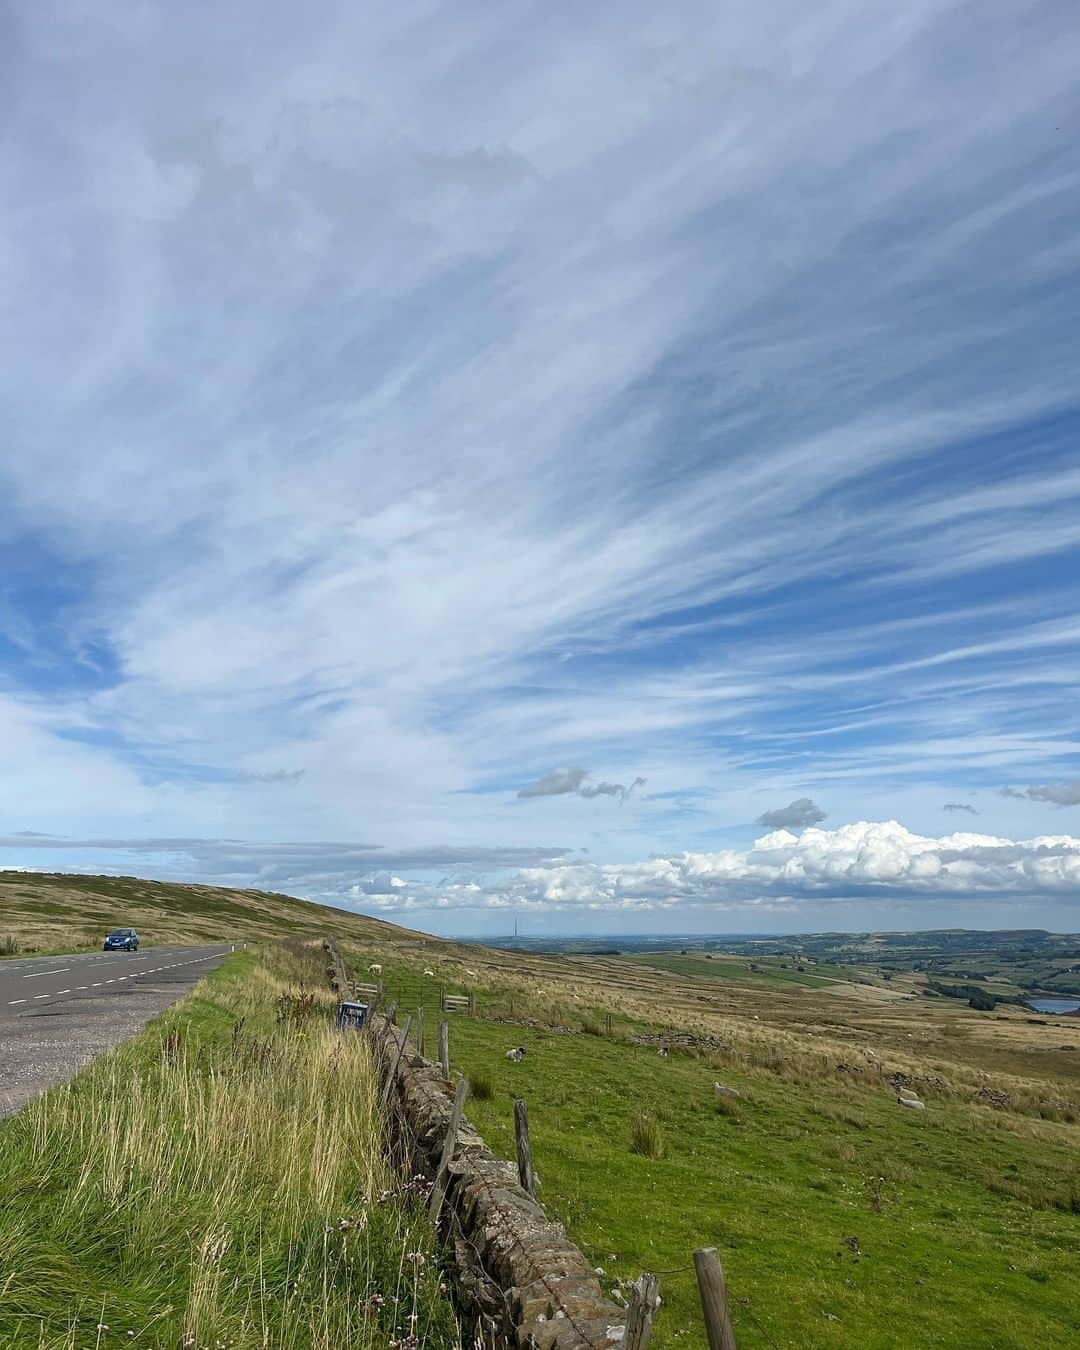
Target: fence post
x,y
607,1027
472,1004
644,1297
438,1189
442,997
444,1048
524,1153
420,1031
391,1013
391,1077
710,1278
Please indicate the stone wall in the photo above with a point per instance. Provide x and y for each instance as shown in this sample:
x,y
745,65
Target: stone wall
x,y
519,1281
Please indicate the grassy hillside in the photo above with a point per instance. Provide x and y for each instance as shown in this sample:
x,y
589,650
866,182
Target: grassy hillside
x,y
218,1181
842,1219
55,911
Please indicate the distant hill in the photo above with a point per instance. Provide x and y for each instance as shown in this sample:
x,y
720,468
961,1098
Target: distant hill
x,y
58,911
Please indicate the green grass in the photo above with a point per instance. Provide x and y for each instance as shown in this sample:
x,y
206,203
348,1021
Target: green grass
x,y
219,1180
841,1220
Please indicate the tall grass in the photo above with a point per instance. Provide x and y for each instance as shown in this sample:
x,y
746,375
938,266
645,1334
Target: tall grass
x,y
222,1181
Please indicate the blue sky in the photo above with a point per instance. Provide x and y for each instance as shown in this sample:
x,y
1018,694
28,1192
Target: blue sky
x,y
424,425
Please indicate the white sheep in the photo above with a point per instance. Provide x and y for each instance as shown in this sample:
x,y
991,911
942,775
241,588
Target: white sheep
x,y
375,968
517,1054
473,973
912,1103
430,974
721,1090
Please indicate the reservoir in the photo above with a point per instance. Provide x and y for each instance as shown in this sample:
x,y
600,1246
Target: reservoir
x,y
1054,1005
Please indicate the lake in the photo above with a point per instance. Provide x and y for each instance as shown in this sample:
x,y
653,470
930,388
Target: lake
x,y
1054,1005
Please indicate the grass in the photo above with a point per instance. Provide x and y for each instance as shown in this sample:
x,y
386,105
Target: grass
x,y
218,1181
646,1137
841,1220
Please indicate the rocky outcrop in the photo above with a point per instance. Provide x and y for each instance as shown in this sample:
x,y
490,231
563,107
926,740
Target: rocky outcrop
x,y
519,1281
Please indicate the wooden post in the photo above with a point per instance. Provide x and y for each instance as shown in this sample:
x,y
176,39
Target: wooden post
x,y
391,1013
710,1278
438,1190
442,997
444,1048
524,1153
472,1004
607,1025
373,1008
391,1077
644,1296
420,1031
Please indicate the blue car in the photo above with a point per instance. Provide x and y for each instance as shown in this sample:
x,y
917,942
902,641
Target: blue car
x,y
122,940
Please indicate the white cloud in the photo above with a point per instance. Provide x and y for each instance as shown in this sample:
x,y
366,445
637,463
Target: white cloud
x,y
350,419
852,863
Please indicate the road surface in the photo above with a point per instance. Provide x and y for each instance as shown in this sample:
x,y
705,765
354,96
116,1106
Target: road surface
x,y
58,1012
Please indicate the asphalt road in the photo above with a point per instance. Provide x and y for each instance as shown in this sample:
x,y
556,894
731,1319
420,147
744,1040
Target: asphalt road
x,y
59,1012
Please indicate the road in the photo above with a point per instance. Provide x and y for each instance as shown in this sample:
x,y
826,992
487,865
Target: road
x,y
58,1012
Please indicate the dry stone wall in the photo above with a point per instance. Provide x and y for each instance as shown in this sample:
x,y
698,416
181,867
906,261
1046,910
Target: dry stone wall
x,y
520,1282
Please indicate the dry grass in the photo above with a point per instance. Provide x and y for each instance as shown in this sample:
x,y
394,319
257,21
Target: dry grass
x,y
222,1183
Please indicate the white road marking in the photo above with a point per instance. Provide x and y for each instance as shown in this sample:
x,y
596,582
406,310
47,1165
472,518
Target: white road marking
x,y
16,1000
46,972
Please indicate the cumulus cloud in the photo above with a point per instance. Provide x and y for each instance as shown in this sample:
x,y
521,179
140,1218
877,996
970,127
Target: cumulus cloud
x,y
564,782
851,863
795,816
557,783
960,806
1058,794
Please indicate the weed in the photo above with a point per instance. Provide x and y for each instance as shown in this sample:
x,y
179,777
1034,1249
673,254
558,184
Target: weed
x,y
481,1087
646,1137
8,946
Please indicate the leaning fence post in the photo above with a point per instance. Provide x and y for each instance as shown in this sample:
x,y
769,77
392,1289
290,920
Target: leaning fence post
x,y
391,1013
444,1047
438,1189
391,1077
524,1153
420,1031
710,1278
644,1298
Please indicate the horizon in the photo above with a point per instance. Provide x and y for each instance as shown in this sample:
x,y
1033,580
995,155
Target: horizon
x,y
619,467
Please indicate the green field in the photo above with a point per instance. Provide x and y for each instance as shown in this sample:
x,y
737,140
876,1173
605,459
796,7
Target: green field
x,y
841,1219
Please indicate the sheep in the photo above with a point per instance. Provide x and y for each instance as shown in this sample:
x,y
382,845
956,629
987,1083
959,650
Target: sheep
x,y
721,1090
375,968
517,1054
430,974
663,1052
910,1094
912,1103
473,973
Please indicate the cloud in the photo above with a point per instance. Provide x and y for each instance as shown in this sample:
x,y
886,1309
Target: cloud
x,y
960,806
1058,794
271,776
620,790
795,815
852,864
557,783
336,421
564,782
1012,792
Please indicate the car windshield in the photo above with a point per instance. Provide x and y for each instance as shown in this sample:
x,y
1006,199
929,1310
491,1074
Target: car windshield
x,y
120,932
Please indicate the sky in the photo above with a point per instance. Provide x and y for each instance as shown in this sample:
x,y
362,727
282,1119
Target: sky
x,y
611,468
